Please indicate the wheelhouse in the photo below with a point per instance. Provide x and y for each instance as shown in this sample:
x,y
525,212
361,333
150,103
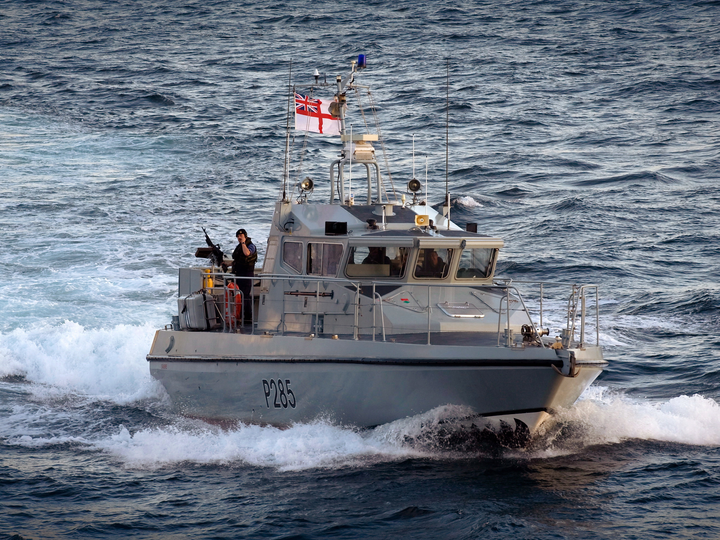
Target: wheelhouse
x,y
462,260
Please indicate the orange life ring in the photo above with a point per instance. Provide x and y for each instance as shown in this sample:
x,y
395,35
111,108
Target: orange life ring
x,y
232,292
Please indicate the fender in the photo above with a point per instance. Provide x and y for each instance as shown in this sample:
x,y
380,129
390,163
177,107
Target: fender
x,y
569,368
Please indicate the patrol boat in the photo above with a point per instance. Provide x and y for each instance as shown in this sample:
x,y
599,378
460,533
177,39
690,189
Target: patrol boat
x,y
369,312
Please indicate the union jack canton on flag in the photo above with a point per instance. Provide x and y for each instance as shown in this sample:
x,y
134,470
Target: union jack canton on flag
x,y
314,115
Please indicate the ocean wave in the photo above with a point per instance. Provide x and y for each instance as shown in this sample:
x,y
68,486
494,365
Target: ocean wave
x,y
317,444
569,204
690,302
312,445
514,192
601,417
642,178
159,99
466,202
604,416
102,364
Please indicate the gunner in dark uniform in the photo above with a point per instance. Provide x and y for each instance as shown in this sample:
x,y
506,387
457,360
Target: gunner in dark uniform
x,y
244,259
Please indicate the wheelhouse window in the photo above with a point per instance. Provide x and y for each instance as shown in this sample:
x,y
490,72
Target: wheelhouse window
x,y
323,259
292,255
433,263
476,263
377,261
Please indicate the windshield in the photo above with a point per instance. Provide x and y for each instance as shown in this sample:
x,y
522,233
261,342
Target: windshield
x,y
376,261
476,263
433,263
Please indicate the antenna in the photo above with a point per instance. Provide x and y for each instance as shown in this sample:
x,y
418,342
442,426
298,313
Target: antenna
x,y
413,157
447,143
426,186
286,174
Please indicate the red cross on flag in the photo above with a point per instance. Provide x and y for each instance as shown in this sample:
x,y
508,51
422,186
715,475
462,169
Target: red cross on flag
x,y
314,115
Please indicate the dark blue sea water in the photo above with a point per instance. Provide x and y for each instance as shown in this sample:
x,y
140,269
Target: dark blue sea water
x,y
585,133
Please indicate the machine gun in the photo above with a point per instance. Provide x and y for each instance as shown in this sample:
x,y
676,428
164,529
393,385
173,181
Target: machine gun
x,y
212,252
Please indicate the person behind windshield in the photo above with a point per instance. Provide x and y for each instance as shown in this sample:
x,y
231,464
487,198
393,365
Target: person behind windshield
x,y
432,265
376,256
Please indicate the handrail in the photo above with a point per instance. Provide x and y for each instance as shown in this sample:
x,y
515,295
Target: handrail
x,y
382,314
507,317
356,322
484,302
506,303
317,310
429,314
578,301
527,312
576,308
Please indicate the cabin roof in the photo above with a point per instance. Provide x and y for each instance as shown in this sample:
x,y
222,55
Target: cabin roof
x,y
364,212
416,232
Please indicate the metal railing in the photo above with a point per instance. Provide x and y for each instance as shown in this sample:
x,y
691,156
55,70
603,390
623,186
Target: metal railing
x,y
579,298
292,312
576,309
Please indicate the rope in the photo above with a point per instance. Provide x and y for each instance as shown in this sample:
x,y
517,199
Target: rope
x,y
382,145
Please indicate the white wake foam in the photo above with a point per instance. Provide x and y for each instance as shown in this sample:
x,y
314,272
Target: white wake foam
x,y
607,417
103,363
71,362
467,202
600,417
318,444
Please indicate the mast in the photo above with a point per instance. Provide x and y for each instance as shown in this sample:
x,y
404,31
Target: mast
x,y
341,89
286,174
340,96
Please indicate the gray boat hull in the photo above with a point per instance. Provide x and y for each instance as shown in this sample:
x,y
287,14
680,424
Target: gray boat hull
x,y
279,380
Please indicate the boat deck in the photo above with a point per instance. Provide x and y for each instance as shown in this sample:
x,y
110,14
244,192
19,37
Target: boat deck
x,y
475,339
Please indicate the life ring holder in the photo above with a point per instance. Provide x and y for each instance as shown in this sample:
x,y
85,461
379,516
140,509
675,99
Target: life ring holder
x,y
232,291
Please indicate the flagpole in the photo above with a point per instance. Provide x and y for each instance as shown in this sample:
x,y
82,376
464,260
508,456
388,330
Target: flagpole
x,y
287,136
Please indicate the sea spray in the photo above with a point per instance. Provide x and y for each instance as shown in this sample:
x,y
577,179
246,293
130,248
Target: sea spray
x,y
69,358
603,416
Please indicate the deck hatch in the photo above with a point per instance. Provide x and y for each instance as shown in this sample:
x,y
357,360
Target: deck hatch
x,y
461,310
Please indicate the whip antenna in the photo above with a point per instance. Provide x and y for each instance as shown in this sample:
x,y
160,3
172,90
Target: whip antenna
x,y
447,143
286,173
